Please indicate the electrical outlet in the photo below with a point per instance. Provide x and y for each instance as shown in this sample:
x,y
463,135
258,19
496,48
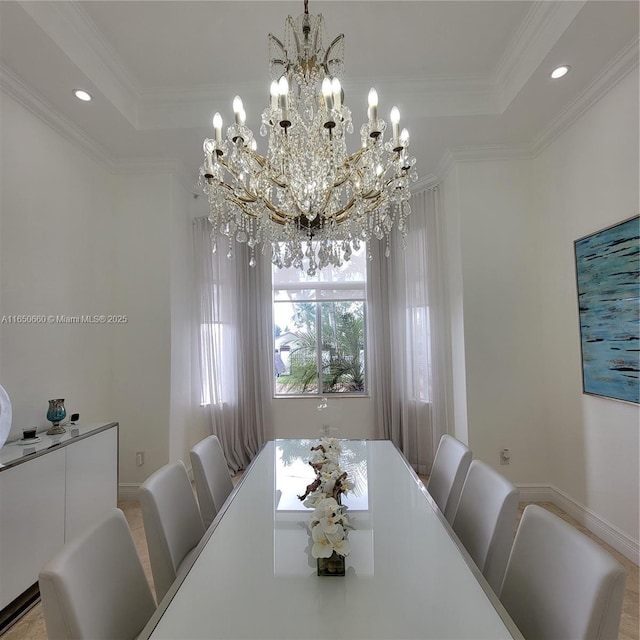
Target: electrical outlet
x,y
139,458
505,456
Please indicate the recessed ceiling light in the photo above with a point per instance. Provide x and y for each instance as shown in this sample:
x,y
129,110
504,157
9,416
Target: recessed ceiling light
x,y
82,95
560,71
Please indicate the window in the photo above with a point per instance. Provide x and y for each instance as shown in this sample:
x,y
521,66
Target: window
x,y
320,329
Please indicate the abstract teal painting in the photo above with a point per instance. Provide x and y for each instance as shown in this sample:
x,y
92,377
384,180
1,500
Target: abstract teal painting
x,y
608,274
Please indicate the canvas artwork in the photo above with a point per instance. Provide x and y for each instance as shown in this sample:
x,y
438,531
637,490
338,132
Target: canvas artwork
x,y
608,275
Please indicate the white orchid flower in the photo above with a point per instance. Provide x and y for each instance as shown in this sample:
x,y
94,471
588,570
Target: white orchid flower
x,y
328,524
342,547
328,504
336,535
331,523
312,500
322,547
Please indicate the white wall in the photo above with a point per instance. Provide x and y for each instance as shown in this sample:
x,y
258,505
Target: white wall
x,y
142,349
56,258
181,292
587,180
300,417
510,229
78,239
498,295
455,291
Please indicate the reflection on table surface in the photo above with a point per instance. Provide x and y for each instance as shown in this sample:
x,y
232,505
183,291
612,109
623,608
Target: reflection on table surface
x,y
293,474
255,577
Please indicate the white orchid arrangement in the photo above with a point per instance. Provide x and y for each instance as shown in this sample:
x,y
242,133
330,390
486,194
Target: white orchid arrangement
x,y
329,524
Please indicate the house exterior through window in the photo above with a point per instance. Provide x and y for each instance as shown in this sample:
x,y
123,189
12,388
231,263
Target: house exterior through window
x,y
320,329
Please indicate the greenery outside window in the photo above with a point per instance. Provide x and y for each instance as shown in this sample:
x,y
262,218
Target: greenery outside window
x,y
320,329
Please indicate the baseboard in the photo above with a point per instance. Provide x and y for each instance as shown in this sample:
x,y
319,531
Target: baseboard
x,y
606,531
128,491
535,493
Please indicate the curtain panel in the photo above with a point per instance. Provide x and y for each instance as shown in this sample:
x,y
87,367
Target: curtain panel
x,y
233,302
409,337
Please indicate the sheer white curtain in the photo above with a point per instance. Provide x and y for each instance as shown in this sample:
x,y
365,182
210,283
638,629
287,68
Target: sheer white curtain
x,y
409,336
233,306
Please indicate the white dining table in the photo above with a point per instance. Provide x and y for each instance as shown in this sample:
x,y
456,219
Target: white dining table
x,y
407,575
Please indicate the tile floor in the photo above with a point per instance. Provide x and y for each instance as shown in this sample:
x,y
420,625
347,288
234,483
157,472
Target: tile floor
x,y
31,626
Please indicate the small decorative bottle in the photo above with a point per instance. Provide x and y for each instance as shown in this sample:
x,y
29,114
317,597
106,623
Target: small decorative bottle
x,y
56,414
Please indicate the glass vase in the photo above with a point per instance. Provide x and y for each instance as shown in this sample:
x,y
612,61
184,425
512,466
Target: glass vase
x,y
56,414
332,566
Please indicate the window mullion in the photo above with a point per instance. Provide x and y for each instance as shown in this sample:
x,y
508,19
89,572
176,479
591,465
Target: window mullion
x,y
319,348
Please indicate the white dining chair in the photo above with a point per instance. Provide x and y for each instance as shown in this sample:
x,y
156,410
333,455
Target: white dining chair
x,y
485,520
560,584
95,587
211,477
172,523
448,472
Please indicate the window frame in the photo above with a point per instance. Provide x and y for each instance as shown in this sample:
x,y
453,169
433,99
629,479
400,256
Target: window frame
x,y
318,300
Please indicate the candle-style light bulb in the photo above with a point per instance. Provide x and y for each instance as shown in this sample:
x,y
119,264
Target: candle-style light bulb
x,y
217,127
273,90
337,94
395,123
242,117
404,138
327,93
283,90
237,108
373,104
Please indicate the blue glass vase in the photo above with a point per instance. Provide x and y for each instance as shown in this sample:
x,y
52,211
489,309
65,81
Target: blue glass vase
x,y
56,414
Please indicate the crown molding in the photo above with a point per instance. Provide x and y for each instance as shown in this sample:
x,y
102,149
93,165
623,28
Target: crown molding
x,y
624,63
14,87
156,108
481,153
491,152
445,164
435,96
431,97
540,30
428,182
68,25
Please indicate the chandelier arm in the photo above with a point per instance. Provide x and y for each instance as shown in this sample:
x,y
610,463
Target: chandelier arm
x,y
250,197
272,173
327,62
242,204
339,214
232,196
278,216
265,164
354,157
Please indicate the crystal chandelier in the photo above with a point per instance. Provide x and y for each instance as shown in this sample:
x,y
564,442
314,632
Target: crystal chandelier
x,y
308,199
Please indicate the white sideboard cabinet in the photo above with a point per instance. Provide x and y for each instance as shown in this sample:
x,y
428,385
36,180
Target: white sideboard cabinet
x,y
50,492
